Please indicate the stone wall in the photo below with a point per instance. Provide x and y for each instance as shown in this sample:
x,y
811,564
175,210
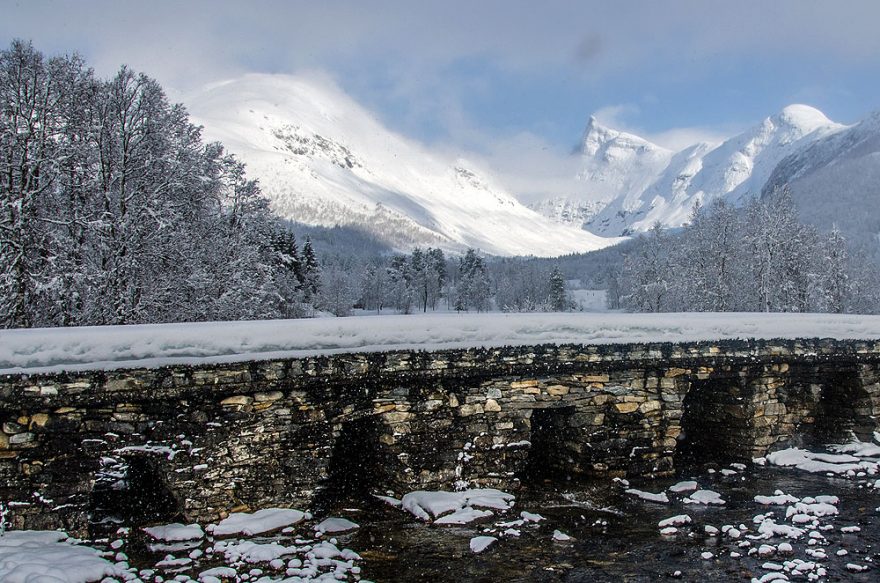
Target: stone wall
x,y
212,439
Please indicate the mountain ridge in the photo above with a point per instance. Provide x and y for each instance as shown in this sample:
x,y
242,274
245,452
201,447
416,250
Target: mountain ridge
x,y
733,169
322,159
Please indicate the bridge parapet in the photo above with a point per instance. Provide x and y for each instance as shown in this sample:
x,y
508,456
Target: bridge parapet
x,y
201,441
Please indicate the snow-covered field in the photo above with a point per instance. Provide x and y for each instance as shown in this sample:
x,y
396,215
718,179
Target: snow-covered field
x,y
113,347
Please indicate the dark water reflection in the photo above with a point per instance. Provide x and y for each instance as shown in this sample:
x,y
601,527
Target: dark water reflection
x,y
616,537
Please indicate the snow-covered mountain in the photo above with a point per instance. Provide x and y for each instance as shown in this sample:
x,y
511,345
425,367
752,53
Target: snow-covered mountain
x,y
641,183
616,163
835,181
567,211
324,160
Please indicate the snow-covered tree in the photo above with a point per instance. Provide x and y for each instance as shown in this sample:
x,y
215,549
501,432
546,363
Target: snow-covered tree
x,y
473,290
834,285
759,258
710,259
374,286
339,290
30,121
400,284
435,267
648,273
113,210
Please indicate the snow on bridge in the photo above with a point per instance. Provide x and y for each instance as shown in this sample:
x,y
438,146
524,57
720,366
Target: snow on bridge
x,y
45,350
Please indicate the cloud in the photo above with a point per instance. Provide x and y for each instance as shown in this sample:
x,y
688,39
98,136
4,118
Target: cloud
x,y
414,62
588,49
531,168
676,139
615,116
619,117
517,34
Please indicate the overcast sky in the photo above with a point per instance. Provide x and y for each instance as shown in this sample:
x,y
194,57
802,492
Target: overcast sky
x,y
513,82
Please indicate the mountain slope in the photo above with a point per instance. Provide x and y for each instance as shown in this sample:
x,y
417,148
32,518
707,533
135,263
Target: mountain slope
x,y
324,160
664,186
616,163
835,181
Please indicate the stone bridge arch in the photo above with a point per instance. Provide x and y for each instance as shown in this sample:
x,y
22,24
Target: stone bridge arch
x,y
255,434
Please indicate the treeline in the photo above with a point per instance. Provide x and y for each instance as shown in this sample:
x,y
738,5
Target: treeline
x,y
426,280
759,258
113,210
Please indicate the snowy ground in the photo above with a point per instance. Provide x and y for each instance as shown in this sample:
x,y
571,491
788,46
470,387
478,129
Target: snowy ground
x,y
112,347
230,551
589,300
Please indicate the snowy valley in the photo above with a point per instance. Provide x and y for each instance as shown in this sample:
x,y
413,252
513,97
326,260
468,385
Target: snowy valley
x,y
322,159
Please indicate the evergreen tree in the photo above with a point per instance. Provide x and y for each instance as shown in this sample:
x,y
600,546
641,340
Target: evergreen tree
x,y
311,271
558,299
419,278
287,253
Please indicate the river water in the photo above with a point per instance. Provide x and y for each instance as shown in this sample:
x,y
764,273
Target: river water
x,y
813,525
615,536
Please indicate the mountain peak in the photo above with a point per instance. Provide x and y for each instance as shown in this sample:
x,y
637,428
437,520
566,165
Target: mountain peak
x,y
803,117
595,135
598,137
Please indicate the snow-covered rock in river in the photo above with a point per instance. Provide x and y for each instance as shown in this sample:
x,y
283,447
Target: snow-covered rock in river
x,y
660,498
261,521
461,507
481,543
175,532
333,525
704,497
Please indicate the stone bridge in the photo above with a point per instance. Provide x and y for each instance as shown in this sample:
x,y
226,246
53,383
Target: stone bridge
x,y
196,442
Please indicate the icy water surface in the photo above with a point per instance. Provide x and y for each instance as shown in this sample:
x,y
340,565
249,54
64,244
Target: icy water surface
x,y
775,523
